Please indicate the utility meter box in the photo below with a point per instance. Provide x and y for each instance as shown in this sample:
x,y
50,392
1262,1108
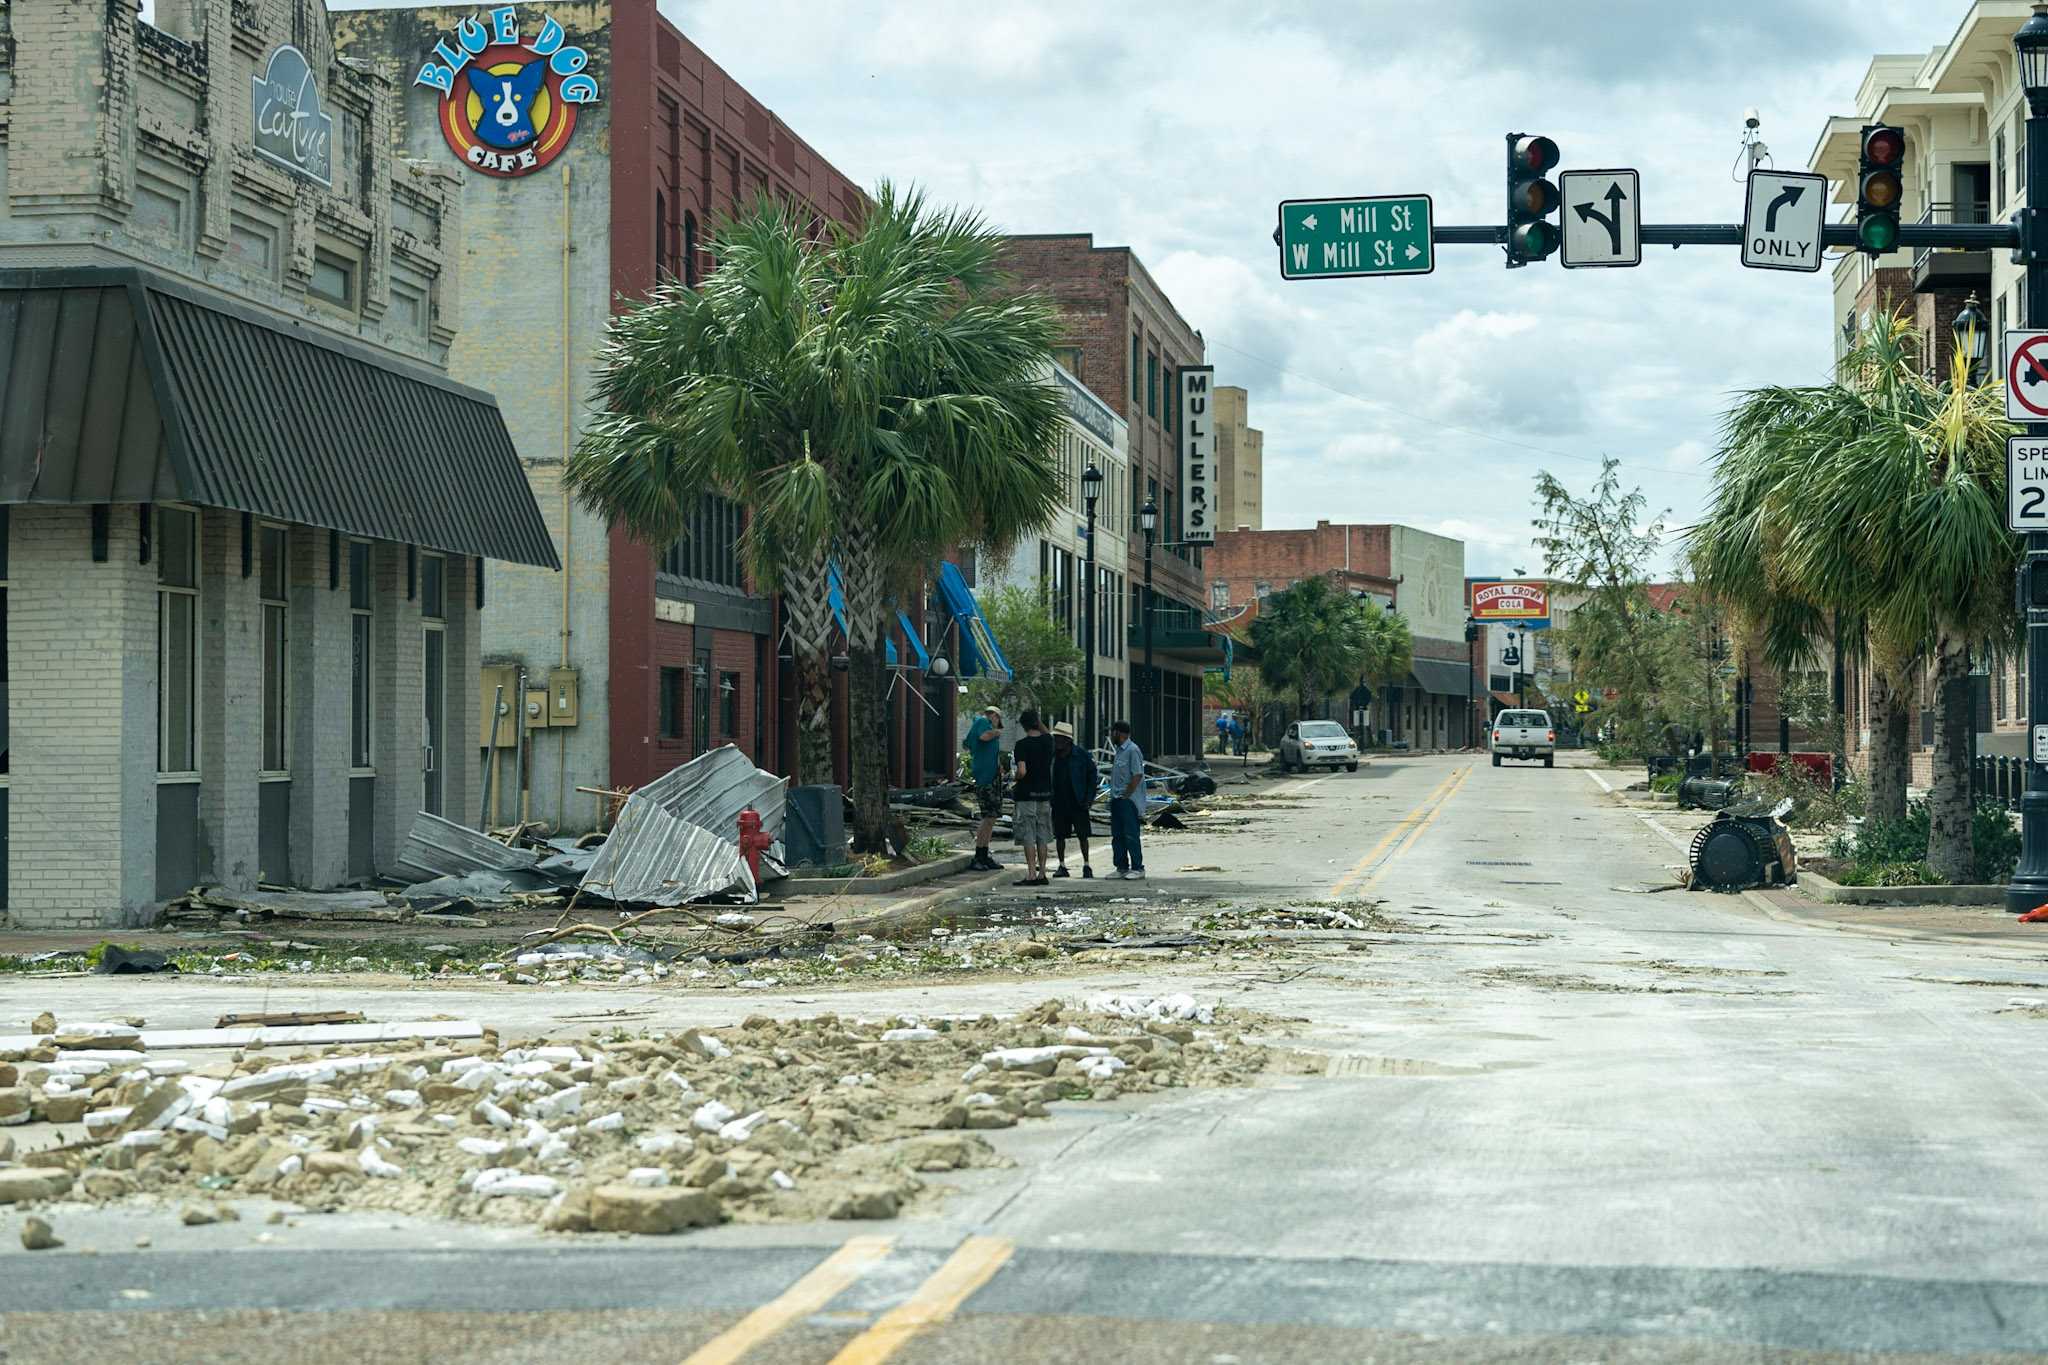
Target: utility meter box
x,y
536,709
493,677
562,696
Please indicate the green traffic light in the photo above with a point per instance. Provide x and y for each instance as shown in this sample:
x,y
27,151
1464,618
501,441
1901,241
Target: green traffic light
x,y
1878,233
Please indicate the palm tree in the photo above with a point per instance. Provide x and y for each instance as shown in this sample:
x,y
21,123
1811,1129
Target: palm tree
x,y
1390,645
1881,495
869,395
1313,639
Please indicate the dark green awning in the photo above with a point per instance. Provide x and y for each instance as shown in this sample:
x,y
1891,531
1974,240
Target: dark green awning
x,y
124,386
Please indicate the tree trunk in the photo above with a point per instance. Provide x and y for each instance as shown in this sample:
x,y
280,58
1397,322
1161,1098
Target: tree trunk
x,y
807,616
867,730
1948,807
1888,761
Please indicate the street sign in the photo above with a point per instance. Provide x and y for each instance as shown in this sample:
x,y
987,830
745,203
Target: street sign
x,y
1328,239
1581,697
1781,218
2026,483
2041,744
2026,376
1603,219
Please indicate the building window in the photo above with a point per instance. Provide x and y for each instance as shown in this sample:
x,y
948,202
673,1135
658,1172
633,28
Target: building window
x,y
700,697
1137,351
1998,170
728,704
1263,589
663,267
334,280
1169,396
671,703
177,651
272,546
709,550
359,754
1219,596
1068,358
434,587
1151,385
2019,148
690,249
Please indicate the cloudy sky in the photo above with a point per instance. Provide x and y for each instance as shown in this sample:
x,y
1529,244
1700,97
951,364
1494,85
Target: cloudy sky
x,y
1176,128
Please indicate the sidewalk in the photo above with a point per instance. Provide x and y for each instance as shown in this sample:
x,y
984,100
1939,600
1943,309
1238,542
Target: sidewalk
x,y
1987,924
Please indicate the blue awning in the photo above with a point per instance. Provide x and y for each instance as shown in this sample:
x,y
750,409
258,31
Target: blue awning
x,y
979,652
835,595
924,660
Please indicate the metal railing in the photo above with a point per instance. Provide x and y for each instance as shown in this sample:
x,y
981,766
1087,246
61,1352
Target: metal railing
x,y
1946,212
1998,779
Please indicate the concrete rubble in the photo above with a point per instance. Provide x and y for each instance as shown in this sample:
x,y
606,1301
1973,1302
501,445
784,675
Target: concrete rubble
x,y
774,1120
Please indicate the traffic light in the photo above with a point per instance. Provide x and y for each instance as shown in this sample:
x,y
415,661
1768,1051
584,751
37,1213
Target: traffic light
x,y
1531,199
1880,186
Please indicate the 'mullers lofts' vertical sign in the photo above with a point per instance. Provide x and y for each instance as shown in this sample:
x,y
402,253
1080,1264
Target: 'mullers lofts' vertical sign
x,y
1197,455
508,104
291,127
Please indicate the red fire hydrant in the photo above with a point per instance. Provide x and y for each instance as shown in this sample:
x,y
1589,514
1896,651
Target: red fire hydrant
x,y
753,842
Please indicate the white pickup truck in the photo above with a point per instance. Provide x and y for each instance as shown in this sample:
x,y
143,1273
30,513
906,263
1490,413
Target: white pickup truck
x,y
1524,734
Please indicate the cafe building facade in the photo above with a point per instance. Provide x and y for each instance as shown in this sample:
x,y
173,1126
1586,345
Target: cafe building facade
x,y
244,512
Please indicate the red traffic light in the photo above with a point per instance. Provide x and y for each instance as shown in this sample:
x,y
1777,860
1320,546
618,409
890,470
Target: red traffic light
x,y
1884,146
1535,154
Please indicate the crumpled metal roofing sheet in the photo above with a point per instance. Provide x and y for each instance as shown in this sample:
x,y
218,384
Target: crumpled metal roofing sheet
x,y
713,788
441,848
655,858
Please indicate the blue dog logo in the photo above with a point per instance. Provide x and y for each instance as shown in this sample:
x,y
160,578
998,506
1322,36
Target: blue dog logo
x,y
508,103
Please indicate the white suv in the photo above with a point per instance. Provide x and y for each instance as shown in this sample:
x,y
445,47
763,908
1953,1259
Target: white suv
x,y
1317,744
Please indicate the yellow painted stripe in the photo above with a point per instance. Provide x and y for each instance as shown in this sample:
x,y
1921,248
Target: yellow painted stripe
x,y
800,1300
1357,868
1415,833
965,1271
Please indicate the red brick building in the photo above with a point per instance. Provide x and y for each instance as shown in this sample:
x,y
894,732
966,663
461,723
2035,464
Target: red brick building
x,y
1416,573
672,649
1127,342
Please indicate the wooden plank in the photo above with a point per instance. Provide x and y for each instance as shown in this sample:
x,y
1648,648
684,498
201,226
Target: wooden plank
x,y
311,1035
289,1017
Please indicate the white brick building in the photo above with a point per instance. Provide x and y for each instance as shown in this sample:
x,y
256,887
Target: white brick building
x,y
243,511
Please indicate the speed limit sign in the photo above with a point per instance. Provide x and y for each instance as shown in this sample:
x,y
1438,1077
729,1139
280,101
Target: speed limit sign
x,y
2026,483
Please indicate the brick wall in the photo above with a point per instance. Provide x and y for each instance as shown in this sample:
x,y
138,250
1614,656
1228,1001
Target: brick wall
x,y
1361,555
81,646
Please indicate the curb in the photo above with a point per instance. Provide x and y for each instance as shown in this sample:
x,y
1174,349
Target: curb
x,y
893,881
916,905
1831,892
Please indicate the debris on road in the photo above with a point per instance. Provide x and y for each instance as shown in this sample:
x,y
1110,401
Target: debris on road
x,y
37,1235
772,1120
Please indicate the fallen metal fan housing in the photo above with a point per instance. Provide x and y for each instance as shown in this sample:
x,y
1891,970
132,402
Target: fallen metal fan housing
x,y
1733,854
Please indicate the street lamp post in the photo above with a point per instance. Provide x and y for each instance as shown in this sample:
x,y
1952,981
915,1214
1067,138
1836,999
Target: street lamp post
x,y
1148,521
1973,337
2029,886
1091,489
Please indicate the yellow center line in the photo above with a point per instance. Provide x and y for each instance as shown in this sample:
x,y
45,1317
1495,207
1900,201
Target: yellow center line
x,y
1358,868
809,1294
1415,833
967,1270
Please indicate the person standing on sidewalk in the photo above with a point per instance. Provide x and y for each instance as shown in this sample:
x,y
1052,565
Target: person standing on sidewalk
x,y
1126,789
984,753
1032,823
1074,780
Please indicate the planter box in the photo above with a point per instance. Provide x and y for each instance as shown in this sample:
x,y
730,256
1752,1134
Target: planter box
x,y
1820,888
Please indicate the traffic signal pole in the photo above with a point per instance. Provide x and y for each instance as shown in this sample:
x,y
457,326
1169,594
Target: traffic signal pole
x,y
1964,236
2029,885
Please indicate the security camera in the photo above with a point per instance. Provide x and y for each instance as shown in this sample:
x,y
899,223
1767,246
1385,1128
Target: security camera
x,y
1750,117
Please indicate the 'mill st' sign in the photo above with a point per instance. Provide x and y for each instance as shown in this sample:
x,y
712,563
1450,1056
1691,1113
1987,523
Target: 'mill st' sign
x,y
1322,239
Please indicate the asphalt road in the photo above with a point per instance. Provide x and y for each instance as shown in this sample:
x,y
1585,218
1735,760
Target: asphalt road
x,y
1568,1118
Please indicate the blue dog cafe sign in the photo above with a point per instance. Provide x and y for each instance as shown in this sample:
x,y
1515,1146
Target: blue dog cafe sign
x,y
508,99
291,127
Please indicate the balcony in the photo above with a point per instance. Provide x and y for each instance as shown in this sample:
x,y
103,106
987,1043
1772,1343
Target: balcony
x,y
1938,270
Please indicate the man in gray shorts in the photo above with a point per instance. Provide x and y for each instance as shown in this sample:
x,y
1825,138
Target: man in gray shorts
x,y
1032,823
